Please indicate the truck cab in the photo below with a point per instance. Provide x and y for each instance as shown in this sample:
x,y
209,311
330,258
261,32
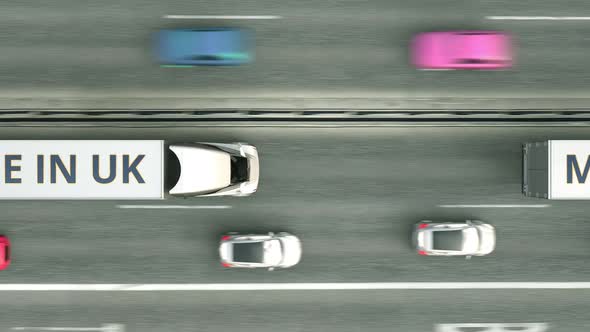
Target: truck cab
x,y
212,169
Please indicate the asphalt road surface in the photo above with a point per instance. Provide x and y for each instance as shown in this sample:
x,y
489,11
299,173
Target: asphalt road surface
x,y
336,48
392,311
351,194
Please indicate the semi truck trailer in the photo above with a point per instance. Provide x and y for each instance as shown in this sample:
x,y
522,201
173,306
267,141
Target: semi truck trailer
x,y
557,169
125,169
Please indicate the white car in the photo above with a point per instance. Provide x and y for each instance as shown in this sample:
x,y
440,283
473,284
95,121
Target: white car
x,y
281,250
212,169
469,238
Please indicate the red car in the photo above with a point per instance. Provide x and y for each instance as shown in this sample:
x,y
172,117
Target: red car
x,y
4,252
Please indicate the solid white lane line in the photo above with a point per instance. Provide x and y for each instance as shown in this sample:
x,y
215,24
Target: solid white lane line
x,y
492,327
532,206
52,328
293,286
223,17
57,328
103,328
539,18
211,207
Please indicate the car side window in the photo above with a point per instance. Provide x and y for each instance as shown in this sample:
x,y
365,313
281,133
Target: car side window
x,y
205,57
478,33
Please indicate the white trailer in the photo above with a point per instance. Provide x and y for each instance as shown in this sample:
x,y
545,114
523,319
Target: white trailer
x,y
125,169
557,169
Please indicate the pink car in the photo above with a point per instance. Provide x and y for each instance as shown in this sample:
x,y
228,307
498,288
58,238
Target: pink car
x,y
4,252
462,50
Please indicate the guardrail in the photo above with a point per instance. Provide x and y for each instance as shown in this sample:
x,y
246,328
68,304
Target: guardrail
x,y
305,109
292,115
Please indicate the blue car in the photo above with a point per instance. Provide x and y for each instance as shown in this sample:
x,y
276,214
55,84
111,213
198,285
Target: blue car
x,y
208,46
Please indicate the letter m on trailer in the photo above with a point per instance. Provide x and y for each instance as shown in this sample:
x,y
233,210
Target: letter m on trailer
x,y
574,167
569,169
557,169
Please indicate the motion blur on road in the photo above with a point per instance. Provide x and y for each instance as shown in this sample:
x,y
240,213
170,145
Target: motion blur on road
x,y
336,48
352,194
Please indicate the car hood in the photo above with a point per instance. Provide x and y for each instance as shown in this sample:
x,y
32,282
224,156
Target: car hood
x,y
428,50
471,241
203,170
272,253
291,251
487,239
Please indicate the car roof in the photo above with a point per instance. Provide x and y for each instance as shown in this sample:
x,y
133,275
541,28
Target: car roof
x,y
248,252
203,44
480,45
451,240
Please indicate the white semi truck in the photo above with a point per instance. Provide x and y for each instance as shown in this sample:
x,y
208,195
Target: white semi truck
x,y
125,169
557,169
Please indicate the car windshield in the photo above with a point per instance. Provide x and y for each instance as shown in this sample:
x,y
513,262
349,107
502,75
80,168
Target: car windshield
x,y
239,169
248,252
479,61
447,240
172,170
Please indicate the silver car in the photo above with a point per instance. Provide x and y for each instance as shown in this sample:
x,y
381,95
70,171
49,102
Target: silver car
x,y
281,250
469,238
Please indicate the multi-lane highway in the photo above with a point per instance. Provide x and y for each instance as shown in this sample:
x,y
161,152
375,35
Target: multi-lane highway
x,y
352,195
338,48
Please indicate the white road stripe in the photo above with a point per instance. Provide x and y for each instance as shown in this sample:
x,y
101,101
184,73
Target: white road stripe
x,y
293,286
103,328
56,328
51,328
531,206
539,18
211,207
223,17
492,327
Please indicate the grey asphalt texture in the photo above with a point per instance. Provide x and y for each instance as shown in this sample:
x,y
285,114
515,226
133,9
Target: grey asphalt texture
x,y
351,194
354,311
335,48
